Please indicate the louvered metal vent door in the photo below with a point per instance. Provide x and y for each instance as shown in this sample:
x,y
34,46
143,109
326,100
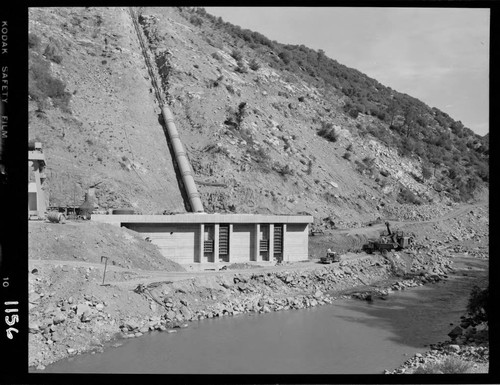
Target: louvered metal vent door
x,y
278,241
223,241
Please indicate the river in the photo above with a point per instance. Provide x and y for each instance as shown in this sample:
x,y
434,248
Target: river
x,y
347,337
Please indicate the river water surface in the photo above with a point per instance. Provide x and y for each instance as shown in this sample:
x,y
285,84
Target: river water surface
x,y
347,337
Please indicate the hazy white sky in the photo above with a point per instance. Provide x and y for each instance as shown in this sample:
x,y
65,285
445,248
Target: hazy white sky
x,y
438,55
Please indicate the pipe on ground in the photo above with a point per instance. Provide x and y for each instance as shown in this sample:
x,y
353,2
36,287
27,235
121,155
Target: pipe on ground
x,y
182,161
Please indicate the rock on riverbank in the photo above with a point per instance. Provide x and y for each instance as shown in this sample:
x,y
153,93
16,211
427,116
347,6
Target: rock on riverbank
x,y
64,324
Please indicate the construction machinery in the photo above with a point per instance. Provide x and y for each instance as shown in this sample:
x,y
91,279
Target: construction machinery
x,y
330,257
392,241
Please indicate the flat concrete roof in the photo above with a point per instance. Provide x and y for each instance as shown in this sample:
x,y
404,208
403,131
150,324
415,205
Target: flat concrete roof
x,y
203,218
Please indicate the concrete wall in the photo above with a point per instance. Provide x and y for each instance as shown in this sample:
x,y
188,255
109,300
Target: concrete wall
x,y
242,240
178,242
296,242
183,242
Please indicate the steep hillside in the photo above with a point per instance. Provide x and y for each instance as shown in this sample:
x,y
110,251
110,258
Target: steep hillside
x,y
106,128
261,137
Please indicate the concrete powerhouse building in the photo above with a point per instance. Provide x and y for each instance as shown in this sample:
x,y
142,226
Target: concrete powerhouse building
x,y
229,238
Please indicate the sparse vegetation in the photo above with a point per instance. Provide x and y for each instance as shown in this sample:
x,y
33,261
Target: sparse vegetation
x,y
450,365
242,68
33,41
328,132
196,21
404,123
477,305
217,56
283,170
236,55
53,54
235,116
254,65
407,196
43,87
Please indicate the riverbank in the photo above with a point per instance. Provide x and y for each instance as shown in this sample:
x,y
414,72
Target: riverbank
x,y
466,349
64,324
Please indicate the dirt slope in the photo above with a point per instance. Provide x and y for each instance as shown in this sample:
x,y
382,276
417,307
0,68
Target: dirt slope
x,y
113,135
87,241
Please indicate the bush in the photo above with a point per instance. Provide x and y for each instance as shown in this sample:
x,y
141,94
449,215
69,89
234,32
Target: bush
x,y
217,56
349,148
328,132
41,86
33,41
347,156
254,65
237,55
353,113
196,21
450,365
283,170
406,196
426,172
235,117
52,53
242,68
478,304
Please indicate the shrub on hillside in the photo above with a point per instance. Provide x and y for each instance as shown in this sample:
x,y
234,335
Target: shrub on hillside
x,y
52,53
236,55
328,132
426,172
235,117
195,20
41,86
283,170
33,41
347,156
407,196
254,65
241,68
261,158
217,56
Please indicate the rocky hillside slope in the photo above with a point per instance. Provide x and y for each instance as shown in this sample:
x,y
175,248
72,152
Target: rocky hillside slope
x,y
260,139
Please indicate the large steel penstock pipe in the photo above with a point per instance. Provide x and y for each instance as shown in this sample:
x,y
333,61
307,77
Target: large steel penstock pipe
x,y
182,161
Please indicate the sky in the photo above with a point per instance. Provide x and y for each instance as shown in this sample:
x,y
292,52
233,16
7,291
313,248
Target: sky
x,y
438,55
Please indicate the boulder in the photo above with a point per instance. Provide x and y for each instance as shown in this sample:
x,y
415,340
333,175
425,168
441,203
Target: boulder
x,y
82,308
170,315
33,327
454,348
132,325
457,331
59,318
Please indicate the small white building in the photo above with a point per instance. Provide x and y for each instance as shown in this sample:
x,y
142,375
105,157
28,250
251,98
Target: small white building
x,y
229,238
